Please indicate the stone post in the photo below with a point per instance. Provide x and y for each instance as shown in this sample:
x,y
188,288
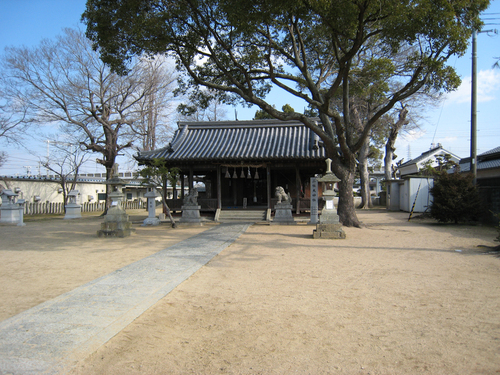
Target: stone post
x,y
151,219
20,203
314,201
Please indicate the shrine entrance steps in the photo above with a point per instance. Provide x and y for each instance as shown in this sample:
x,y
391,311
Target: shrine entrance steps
x,y
241,215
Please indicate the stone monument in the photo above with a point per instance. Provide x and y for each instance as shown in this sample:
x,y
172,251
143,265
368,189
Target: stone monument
x,y
151,219
9,208
314,201
190,208
283,209
73,209
116,222
329,226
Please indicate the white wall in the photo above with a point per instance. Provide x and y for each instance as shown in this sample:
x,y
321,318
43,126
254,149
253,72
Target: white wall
x,y
408,192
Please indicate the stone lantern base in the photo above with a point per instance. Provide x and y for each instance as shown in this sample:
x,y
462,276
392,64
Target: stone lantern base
x,y
116,223
329,231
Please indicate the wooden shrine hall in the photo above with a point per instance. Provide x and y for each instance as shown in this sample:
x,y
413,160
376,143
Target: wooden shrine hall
x,y
240,163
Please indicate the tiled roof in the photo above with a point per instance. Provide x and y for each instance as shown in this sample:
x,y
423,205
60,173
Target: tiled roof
x,y
492,151
486,160
423,156
240,140
428,154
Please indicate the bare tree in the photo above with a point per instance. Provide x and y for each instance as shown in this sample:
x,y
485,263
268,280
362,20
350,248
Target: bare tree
x,y
64,82
390,147
156,112
65,161
205,106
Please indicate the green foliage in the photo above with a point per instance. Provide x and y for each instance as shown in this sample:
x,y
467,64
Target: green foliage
x,y
312,49
455,198
444,163
157,174
263,115
260,114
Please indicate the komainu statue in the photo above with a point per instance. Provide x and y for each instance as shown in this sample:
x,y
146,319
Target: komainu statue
x,y
282,196
192,198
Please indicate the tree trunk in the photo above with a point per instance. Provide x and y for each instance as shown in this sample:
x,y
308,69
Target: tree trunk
x,y
167,209
346,209
364,174
390,148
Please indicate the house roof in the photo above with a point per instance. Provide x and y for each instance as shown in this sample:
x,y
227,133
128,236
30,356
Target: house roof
x,y
240,140
487,160
427,155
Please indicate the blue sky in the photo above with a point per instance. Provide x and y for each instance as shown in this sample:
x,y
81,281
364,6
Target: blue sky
x,y
26,22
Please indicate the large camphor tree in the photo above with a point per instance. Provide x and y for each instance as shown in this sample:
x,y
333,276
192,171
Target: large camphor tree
x,y
307,48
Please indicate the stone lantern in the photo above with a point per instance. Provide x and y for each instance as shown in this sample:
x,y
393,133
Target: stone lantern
x,y
73,209
10,210
116,222
329,225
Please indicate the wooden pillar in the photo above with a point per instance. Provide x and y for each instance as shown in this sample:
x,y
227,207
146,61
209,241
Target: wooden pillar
x,y
297,187
190,178
182,185
268,177
219,187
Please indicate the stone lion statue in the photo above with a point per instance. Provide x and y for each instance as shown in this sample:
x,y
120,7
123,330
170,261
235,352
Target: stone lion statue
x,y
282,196
192,198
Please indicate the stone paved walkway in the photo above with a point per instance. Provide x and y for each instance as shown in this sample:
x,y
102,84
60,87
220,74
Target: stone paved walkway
x,y
53,335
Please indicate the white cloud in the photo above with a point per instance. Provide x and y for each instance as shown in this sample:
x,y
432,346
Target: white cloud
x,y
488,85
412,135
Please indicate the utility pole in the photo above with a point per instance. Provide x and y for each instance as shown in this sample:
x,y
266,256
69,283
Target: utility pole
x,y
473,116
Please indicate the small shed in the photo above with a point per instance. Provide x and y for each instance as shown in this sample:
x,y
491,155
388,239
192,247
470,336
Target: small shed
x,y
414,193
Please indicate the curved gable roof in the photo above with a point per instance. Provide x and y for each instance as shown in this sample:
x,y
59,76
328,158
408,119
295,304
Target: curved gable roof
x,y
239,140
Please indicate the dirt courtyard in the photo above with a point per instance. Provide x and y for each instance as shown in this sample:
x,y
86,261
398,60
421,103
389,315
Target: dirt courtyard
x,y
394,297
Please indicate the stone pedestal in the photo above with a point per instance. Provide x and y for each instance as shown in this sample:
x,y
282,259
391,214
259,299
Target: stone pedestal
x,y
116,223
73,209
283,214
190,214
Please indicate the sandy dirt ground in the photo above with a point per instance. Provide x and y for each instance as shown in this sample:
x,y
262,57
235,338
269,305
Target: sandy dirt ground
x,y
49,257
395,297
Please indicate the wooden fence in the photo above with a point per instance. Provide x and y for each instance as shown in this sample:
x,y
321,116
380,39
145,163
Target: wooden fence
x,y
40,208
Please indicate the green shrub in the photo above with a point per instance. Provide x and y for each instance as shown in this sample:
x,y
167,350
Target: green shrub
x,y
455,198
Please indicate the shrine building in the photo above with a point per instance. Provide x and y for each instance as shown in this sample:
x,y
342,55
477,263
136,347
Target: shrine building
x,y
240,163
